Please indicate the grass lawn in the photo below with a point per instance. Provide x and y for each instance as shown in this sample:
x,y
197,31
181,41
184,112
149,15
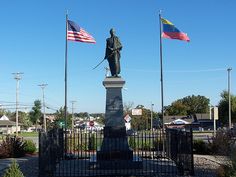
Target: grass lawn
x,y
29,134
24,134
203,132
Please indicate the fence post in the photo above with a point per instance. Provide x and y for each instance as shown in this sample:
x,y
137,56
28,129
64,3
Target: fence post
x,y
192,157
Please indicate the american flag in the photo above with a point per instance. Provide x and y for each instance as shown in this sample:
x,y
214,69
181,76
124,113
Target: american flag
x,y
76,33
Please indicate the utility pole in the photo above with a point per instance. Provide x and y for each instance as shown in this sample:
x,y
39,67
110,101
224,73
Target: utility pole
x,y
73,118
229,69
17,77
44,115
152,116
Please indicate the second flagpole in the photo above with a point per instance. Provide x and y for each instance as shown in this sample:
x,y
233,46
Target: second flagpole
x,y
162,97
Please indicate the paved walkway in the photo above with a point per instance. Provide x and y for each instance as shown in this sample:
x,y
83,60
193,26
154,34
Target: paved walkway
x,y
205,165
220,160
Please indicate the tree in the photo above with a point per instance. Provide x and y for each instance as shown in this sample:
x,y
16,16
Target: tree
x,y
142,122
36,114
101,116
13,170
189,105
128,107
176,108
5,112
24,119
60,117
82,114
196,104
223,107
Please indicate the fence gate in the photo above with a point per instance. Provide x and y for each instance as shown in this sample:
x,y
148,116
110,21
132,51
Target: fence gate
x,y
74,154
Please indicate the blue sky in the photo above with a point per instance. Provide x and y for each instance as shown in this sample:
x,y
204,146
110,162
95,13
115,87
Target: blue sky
x,y
32,41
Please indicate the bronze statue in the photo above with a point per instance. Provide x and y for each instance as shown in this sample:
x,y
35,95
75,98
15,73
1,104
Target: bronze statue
x,y
113,47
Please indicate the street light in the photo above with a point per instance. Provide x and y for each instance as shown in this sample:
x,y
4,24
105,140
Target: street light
x,y
229,69
17,78
152,116
73,117
44,116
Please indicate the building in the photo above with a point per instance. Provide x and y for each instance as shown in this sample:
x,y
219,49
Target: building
x,y
198,121
7,126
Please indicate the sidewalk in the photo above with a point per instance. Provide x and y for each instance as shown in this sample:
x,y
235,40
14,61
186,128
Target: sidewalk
x,y
220,160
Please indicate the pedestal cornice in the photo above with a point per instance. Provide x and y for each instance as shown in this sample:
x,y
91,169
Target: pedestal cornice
x,y
113,82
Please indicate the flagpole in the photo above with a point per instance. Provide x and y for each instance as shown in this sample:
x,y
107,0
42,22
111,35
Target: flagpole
x,y
162,97
65,108
66,75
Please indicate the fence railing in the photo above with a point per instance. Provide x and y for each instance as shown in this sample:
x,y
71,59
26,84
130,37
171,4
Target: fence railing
x,y
51,147
180,149
79,157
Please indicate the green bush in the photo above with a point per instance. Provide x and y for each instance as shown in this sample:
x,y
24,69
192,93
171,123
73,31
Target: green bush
x,y
200,147
12,147
132,143
92,142
145,146
82,147
29,147
158,145
13,170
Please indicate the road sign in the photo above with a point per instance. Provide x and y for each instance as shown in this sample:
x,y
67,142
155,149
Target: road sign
x,y
61,123
127,118
214,113
136,112
91,123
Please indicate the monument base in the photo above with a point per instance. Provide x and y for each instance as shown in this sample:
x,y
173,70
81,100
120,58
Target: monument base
x,y
115,145
115,152
135,163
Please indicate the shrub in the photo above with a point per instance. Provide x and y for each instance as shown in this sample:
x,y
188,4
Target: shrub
x,y
13,170
226,137
92,142
29,147
200,147
158,145
82,147
222,143
132,142
12,147
145,146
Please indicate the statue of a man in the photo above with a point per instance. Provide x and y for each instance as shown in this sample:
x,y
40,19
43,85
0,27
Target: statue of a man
x,y
113,47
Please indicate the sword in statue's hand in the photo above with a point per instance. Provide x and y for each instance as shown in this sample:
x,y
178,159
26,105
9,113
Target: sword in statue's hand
x,y
99,63
104,59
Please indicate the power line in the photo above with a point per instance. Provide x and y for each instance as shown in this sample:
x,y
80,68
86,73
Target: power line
x,y
178,71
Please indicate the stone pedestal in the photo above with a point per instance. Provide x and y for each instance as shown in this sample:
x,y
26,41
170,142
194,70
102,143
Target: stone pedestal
x,y
115,150
115,143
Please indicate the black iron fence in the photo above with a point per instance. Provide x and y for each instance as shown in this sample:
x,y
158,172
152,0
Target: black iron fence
x,y
180,149
51,147
78,156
